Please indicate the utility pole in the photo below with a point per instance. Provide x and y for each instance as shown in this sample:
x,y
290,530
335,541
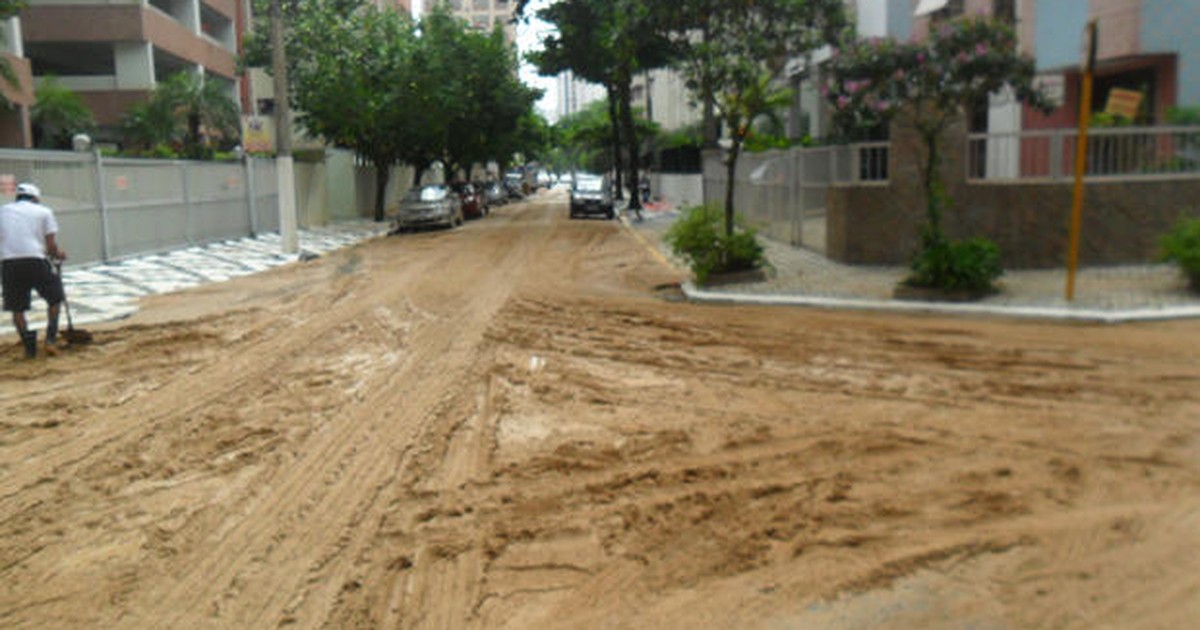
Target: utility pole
x,y
284,168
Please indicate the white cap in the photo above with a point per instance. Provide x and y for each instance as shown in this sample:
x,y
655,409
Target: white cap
x,y
27,188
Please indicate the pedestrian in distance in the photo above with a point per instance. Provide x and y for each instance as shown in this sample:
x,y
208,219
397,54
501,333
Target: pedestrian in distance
x,y
28,241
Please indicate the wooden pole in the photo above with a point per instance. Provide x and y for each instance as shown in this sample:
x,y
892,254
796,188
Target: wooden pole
x,y
1085,112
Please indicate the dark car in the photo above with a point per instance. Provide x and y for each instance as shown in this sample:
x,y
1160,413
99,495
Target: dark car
x,y
495,194
432,204
590,194
473,204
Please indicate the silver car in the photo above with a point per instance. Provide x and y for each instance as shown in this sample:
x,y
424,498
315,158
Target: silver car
x,y
432,204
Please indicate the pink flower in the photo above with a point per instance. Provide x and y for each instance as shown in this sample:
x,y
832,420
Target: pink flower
x,y
981,49
843,101
921,57
882,106
824,90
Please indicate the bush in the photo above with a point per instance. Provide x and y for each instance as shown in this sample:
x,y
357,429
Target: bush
x,y
699,238
1182,246
972,265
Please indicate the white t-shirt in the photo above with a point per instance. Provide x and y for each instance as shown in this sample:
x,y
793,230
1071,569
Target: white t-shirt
x,y
23,228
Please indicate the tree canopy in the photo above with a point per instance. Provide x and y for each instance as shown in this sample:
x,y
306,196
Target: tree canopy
x,y
732,52
395,91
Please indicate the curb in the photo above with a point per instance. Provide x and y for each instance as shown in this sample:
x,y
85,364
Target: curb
x,y
1082,315
1063,314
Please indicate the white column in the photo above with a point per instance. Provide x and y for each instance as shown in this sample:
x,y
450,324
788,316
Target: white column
x,y
135,65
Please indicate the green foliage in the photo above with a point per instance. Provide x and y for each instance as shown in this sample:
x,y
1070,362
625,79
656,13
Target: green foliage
x,y
961,63
758,142
605,42
690,137
972,265
730,52
699,238
1183,115
936,80
1182,246
58,115
198,116
8,9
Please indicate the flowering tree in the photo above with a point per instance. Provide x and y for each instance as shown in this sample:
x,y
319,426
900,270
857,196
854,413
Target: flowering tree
x,y
936,81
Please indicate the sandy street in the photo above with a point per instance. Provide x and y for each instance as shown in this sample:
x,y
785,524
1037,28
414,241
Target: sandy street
x,y
507,426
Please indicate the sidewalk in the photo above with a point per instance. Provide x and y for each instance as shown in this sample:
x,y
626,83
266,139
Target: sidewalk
x,y
108,291
802,277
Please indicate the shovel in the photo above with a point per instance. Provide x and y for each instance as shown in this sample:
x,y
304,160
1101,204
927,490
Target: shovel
x,y
73,335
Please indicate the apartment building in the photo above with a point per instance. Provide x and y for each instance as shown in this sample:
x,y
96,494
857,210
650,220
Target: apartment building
x,y
484,14
1148,47
15,130
575,94
114,52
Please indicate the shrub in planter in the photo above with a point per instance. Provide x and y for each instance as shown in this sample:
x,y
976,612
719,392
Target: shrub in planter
x,y
699,238
1182,246
970,266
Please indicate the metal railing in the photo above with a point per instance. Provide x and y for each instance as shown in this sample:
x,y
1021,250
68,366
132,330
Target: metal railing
x,y
777,190
1116,153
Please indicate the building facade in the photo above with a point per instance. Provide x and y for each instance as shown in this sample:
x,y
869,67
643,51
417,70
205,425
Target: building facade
x,y
113,53
484,14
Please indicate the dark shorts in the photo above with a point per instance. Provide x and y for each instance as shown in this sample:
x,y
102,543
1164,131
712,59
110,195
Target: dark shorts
x,y
23,275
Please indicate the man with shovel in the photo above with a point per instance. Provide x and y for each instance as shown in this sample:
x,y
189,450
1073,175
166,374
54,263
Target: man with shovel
x,y
27,241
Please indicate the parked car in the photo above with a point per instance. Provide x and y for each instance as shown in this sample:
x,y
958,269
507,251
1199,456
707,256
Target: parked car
x,y
590,194
432,204
495,194
512,185
473,204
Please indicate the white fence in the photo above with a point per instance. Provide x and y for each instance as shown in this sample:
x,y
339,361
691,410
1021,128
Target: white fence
x,y
778,191
1121,152
110,208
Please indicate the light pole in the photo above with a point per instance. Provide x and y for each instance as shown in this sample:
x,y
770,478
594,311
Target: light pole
x,y
284,169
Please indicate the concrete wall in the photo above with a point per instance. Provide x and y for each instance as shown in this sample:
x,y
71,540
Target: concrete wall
x,y
682,191
1123,220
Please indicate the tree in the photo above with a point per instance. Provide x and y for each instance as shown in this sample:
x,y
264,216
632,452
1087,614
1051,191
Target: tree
x,y
205,107
187,111
362,84
606,42
58,115
482,100
936,81
733,51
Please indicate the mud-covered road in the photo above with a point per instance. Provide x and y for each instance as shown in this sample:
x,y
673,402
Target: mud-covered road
x,y
505,426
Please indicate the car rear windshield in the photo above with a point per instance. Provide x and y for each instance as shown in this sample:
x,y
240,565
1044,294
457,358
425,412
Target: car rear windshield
x,y
428,193
589,184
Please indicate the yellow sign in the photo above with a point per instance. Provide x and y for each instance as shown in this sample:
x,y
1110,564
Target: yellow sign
x,y
256,134
1124,103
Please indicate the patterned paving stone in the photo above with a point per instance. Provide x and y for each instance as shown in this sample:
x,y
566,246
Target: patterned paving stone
x,y
110,291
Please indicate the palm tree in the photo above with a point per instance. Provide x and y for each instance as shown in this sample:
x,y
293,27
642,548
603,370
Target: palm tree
x,y
58,114
204,105
202,108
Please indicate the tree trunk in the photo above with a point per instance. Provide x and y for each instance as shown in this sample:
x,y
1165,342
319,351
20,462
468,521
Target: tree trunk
x,y
629,132
614,121
418,173
932,183
382,172
730,171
